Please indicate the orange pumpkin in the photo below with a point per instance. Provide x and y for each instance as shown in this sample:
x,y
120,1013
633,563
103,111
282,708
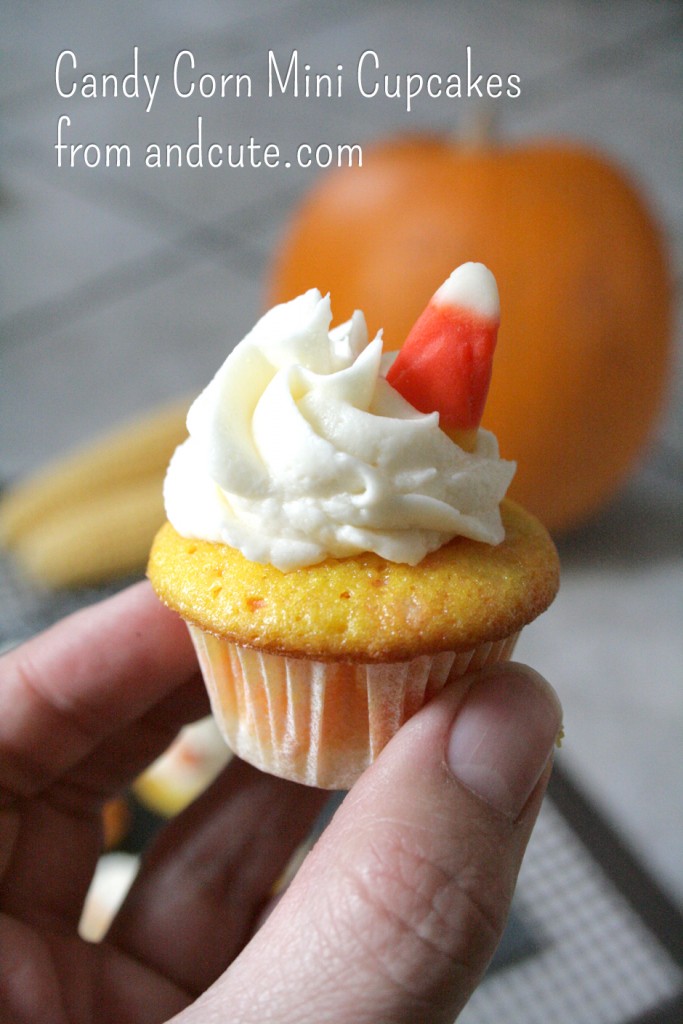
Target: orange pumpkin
x,y
583,348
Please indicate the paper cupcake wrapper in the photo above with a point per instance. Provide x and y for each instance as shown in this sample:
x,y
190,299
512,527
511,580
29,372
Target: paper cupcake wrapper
x,y
321,723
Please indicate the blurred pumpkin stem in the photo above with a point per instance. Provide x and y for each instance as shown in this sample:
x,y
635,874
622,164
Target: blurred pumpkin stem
x,y
481,126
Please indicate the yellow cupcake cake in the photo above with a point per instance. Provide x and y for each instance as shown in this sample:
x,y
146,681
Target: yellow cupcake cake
x,y
338,542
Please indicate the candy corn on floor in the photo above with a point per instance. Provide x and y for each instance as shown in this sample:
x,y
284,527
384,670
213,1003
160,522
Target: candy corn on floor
x,y
123,288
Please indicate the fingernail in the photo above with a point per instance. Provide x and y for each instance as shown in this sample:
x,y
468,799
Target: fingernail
x,y
503,736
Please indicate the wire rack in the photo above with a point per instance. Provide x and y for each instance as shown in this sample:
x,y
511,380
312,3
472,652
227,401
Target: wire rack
x,y
601,943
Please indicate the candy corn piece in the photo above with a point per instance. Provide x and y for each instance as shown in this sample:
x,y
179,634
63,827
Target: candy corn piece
x,y
444,365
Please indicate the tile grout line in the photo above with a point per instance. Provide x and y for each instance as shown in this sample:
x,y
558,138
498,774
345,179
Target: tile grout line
x,y
247,44
47,318
60,310
195,239
206,239
601,63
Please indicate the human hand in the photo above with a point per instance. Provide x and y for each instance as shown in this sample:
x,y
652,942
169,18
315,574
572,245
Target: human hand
x,y
392,917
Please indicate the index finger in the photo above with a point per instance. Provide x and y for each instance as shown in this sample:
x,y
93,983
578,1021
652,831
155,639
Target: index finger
x,y
65,691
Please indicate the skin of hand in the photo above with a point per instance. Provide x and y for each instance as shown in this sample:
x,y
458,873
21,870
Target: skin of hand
x,y
393,916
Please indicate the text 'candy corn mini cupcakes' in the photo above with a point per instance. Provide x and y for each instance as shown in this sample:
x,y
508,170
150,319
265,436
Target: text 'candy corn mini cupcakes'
x,y
338,540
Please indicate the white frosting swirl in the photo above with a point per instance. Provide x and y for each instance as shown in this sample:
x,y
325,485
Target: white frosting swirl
x,y
299,449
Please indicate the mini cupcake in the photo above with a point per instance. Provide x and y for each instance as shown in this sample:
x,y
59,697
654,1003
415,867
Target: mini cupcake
x,y
338,542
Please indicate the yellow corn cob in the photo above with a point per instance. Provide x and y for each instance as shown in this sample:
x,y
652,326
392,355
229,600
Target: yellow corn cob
x,y
101,537
138,451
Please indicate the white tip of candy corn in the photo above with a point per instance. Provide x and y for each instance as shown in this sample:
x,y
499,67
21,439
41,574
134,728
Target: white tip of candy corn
x,y
471,286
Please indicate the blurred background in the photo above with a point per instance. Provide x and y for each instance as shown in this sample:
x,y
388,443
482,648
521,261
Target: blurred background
x,y
124,288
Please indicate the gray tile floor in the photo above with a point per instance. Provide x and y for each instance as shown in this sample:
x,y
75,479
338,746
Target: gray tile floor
x,y
121,288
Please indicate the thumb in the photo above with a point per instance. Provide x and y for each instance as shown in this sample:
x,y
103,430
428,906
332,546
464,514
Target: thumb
x,y
397,911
